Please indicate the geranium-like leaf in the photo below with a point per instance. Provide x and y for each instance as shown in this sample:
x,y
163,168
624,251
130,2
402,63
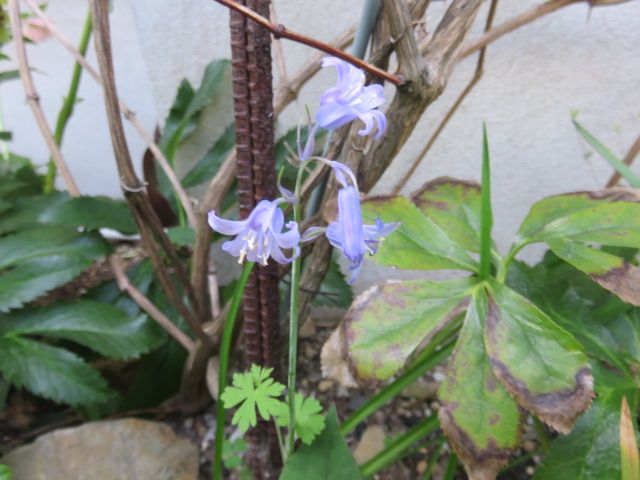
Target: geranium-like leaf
x,y
253,390
612,272
539,363
386,325
480,419
453,205
418,243
309,419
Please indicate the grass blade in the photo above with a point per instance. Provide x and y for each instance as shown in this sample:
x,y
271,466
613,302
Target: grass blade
x,y
486,215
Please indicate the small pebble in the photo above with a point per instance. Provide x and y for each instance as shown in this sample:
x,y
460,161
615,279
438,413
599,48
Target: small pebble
x,y
421,467
530,470
325,385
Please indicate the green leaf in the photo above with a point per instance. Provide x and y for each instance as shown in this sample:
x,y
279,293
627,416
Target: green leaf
x,y
486,217
183,115
309,420
334,290
605,153
26,210
6,136
9,75
592,450
98,326
181,236
418,244
372,344
91,213
33,278
5,473
480,419
254,389
583,217
45,241
612,272
205,169
50,372
327,458
541,365
453,205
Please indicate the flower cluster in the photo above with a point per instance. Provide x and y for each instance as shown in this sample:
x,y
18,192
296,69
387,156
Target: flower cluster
x,y
260,236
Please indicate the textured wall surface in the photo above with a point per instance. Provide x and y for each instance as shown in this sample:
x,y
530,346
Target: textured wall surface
x,y
574,60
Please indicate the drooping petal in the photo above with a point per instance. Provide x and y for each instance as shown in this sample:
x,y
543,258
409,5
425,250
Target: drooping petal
x,y
350,219
333,115
312,233
343,174
280,257
288,239
367,119
226,227
335,234
235,247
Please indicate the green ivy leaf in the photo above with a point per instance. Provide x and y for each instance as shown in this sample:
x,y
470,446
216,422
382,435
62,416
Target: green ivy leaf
x,y
372,344
254,389
309,420
50,372
327,458
540,364
98,326
418,244
480,419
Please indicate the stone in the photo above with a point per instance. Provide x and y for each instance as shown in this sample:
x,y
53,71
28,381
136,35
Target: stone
x,y
127,449
371,443
420,390
325,385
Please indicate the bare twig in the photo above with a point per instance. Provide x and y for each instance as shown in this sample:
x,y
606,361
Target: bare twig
x,y
627,160
34,100
143,302
281,31
116,265
126,111
143,213
514,23
454,108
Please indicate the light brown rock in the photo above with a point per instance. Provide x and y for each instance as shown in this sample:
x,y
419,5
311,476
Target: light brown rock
x,y
128,449
371,443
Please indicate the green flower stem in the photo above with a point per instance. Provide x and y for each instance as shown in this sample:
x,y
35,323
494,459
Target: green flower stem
x,y
503,267
394,388
69,102
4,145
452,466
433,461
293,326
398,447
225,350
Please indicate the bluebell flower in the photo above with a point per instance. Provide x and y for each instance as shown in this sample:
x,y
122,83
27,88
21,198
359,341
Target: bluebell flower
x,y
351,99
260,235
348,233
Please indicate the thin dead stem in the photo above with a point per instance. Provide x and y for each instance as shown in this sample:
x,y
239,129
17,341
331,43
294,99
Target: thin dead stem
x,y
627,160
479,71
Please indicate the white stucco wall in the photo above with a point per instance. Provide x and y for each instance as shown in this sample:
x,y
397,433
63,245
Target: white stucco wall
x,y
574,60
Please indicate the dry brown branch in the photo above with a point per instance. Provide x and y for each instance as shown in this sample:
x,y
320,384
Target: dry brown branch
x,y
627,160
34,100
116,265
454,108
146,218
278,53
126,111
282,31
516,22
143,302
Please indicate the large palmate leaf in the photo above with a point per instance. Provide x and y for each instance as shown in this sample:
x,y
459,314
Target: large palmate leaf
x,y
45,241
91,213
327,458
99,326
50,372
33,278
541,365
592,450
418,244
453,205
387,324
480,419
570,223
